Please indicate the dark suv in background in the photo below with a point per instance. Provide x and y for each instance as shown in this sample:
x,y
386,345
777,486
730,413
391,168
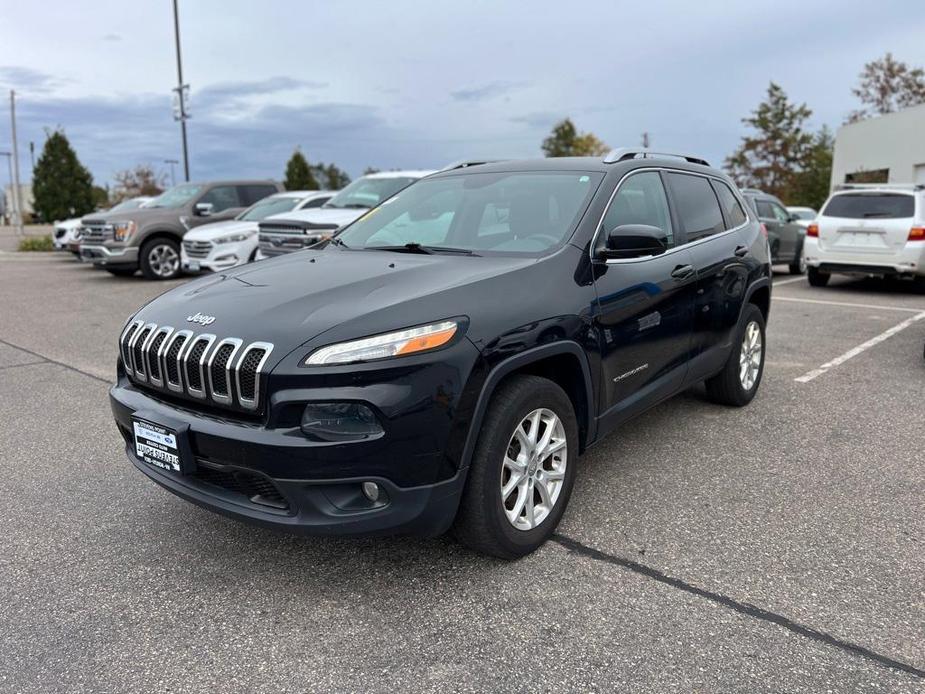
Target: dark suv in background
x,y
149,238
785,234
443,360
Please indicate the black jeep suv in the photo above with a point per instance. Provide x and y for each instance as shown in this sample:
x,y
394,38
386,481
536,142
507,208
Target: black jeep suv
x,y
443,361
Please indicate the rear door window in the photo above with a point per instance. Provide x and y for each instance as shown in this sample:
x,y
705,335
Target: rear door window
x,y
696,206
735,215
253,193
870,206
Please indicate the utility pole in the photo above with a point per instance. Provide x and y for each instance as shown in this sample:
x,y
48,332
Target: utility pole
x,y
181,90
645,140
9,162
32,155
17,221
173,178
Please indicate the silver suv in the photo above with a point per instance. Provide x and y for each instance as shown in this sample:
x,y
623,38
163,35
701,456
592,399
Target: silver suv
x,y
149,238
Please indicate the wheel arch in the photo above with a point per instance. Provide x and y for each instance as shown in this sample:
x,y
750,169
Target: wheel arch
x,y
564,363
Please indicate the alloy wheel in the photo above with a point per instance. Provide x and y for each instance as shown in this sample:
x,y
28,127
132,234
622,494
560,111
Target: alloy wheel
x,y
163,260
533,472
750,356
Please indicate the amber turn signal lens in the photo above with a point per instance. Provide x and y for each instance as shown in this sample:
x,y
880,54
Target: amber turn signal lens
x,y
425,342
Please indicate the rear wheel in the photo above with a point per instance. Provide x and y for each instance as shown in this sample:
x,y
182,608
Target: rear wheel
x,y
523,469
798,264
160,259
738,382
816,278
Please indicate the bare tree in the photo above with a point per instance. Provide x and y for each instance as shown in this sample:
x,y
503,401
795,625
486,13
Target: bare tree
x,y
887,85
142,180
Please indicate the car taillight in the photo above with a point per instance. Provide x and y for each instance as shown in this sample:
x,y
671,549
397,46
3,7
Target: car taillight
x,y
764,229
813,231
917,234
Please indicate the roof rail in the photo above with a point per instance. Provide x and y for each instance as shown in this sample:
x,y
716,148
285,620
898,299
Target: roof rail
x,y
753,191
466,163
625,153
874,186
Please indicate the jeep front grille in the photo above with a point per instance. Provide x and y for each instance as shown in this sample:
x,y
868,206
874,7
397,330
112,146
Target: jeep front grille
x,y
224,371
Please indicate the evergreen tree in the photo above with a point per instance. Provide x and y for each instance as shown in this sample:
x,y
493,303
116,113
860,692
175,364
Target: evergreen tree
x,y
565,141
811,185
62,187
299,174
770,158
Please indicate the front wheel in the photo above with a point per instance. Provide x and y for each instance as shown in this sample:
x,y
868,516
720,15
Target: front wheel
x,y
523,469
816,278
160,259
738,382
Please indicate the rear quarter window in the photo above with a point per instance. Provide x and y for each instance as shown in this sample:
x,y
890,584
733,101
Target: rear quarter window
x,y
696,205
870,206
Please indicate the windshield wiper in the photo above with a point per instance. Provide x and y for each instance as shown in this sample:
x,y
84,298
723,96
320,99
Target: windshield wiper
x,y
415,247
877,214
337,242
355,206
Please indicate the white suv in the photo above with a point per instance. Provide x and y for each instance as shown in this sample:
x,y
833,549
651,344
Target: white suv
x,y
222,245
291,232
872,230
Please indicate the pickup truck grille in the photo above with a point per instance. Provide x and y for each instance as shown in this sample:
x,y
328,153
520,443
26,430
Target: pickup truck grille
x,y
197,249
96,232
277,238
224,371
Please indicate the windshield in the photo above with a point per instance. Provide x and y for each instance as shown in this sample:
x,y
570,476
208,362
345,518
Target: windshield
x,y
870,205
482,213
131,204
368,192
175,197
268,206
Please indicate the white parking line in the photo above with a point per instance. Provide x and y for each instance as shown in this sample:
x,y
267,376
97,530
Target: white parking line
x,y
886,334
844,303
788,281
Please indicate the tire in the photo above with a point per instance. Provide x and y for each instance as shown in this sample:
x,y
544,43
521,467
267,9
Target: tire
x,y
798,264
730,386
816,278
121,271
253,257
160,259
483,522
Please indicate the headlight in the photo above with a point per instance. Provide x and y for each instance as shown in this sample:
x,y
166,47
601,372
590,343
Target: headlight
x,y
398,344
233,238
122,231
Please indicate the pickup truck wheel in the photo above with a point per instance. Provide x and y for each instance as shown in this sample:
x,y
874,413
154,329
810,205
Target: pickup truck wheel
x,y
738,382
816,278
522,471
160,259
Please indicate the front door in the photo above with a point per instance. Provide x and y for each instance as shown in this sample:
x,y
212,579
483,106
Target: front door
x,y
644,305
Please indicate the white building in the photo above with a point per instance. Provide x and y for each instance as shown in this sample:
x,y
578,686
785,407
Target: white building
x,y
885,149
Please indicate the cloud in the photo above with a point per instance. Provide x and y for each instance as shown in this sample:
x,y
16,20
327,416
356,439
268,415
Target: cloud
x,y
489,90
538,119
26,79
112,37
226,94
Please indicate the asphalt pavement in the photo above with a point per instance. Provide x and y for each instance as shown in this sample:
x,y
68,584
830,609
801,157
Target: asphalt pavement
x,y
780,547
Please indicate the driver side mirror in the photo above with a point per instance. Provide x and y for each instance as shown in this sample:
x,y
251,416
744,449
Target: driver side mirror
x,y
203,209
635,241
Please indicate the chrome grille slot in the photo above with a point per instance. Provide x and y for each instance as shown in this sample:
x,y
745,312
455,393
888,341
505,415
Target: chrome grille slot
x,y
96,232
153,355
219,369
247,376
138,346
172,360
195,365
125,344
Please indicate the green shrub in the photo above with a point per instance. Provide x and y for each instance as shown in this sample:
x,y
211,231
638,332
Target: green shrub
x,y
36,243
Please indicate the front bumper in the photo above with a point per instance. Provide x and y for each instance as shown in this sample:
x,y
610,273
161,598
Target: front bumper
x,y
909,260
105,256
262,469
220,257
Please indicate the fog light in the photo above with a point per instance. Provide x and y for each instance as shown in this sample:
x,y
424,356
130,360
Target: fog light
x,y
371,491
339,421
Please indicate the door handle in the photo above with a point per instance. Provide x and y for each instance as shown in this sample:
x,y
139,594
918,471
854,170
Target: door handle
x,y
741,251
682,272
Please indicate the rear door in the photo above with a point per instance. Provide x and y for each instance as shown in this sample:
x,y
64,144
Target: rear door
x,y
715,236
776,232
644,305
866,223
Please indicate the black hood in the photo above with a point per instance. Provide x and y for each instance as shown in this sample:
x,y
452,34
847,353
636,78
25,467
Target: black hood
x,y
291,300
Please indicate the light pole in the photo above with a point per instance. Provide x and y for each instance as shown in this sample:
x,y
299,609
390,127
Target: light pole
x,y
181,91
173,178
17,221
9,161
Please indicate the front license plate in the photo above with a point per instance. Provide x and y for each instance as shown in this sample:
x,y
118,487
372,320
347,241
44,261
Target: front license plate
x,y
194,266
156,445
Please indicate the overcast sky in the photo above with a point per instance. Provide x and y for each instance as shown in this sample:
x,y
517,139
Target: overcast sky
x,y
418,84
